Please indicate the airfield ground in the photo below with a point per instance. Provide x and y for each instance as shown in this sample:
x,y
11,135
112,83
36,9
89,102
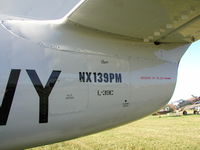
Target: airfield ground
x,y
150,133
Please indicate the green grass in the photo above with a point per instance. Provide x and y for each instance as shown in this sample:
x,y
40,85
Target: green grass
x,y
150,133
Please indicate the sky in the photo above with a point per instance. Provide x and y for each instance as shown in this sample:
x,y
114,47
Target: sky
x,y
188,74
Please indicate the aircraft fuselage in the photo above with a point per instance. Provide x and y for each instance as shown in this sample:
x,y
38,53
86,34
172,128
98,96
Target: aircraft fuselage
x,y
66,82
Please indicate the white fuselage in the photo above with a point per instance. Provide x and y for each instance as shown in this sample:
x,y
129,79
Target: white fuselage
x,y
104,81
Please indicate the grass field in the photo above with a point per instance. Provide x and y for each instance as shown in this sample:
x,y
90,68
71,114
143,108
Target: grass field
x,y
150,133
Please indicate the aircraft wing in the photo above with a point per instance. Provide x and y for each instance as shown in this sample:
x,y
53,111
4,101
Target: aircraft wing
x,y
191,106
143,20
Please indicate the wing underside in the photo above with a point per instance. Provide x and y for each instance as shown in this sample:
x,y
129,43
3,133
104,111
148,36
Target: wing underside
x,y
143,20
